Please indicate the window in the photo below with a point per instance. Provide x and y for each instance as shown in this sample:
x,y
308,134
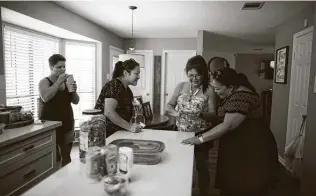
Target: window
x,y
26,62
81,61
26,56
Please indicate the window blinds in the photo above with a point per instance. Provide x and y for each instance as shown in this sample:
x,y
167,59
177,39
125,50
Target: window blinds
x,y
26,56
81,62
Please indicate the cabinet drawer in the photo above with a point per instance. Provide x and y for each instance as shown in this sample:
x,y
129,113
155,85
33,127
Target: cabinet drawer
x,y
31,170
19,150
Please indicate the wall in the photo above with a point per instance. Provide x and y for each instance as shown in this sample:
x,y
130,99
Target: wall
x,y
160,44
249,64
54,14
309,165
226,47
280,99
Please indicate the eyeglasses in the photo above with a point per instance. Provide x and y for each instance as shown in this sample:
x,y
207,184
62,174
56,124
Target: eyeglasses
x,y
194,76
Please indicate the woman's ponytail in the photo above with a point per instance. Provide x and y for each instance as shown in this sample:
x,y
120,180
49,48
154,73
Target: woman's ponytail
x,y
118,70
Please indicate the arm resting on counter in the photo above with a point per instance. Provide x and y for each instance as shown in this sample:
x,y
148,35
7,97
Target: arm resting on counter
x,y
47,92
110,105
231,122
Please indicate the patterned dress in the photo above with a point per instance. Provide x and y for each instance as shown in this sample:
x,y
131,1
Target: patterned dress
x,y
115,89
247,157
194,104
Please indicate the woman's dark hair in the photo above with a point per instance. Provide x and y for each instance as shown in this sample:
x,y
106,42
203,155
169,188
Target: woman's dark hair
x,y
228,76
199,64
221,59
120,66
55,58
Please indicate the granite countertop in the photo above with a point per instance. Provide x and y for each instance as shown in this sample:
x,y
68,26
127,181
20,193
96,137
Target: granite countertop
x,y
12,135
171,177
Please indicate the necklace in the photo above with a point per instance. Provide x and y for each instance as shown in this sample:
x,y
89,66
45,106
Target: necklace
x,y
194,94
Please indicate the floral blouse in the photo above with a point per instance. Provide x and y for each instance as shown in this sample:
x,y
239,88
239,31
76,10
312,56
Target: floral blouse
x,y
193,104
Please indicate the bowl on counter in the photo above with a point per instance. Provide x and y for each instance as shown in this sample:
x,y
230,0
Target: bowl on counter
x,y
114,185
10,108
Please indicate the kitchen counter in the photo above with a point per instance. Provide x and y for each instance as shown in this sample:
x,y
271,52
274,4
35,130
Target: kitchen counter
x,y
171,177
27,156
12,135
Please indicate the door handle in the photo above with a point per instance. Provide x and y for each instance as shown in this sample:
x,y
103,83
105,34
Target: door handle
x,y
147,94
166,94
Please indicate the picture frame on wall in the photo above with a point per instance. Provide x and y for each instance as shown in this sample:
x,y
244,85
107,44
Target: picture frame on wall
x,y
281,63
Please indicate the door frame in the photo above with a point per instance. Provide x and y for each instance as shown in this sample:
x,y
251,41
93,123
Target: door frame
x,y
113,48
151,68
295,36
163,77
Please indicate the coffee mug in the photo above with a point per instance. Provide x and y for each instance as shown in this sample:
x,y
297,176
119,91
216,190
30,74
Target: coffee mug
x,y
70,81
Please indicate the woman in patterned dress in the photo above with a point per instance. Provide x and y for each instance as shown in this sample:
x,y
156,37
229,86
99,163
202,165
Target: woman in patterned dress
x,y
247,158
116,97
193,98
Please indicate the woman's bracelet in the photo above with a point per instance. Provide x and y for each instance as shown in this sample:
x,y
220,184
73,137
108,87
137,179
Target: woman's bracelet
x,y
200,137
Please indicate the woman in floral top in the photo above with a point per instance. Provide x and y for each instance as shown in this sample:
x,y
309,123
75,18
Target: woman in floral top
x,y
192,99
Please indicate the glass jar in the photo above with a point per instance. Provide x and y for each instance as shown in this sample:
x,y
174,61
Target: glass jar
x,y
92,131
93,164
137,116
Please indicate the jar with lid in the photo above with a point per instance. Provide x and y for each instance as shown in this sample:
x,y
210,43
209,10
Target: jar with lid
x,y
92,131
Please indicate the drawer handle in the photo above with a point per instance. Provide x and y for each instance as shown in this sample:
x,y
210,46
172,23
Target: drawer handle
x,y
28,148
29,173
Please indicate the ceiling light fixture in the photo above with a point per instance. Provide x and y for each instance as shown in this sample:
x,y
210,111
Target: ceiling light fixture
x,y
132,41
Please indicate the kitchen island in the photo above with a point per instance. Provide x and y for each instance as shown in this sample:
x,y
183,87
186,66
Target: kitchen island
x,y
27,156
171,177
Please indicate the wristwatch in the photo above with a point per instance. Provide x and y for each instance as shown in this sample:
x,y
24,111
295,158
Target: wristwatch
x,y
200,137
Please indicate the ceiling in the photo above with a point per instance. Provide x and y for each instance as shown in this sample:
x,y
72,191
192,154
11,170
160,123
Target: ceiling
x,y
182,19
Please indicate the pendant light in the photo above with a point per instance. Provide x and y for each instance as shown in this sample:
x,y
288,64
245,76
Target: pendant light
x,y
132,41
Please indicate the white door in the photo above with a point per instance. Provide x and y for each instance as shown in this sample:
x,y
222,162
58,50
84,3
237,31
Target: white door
x,y
300,70
114,58
145,84
172,72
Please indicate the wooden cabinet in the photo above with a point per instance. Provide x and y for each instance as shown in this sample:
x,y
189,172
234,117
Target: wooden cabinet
x,y
25,161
